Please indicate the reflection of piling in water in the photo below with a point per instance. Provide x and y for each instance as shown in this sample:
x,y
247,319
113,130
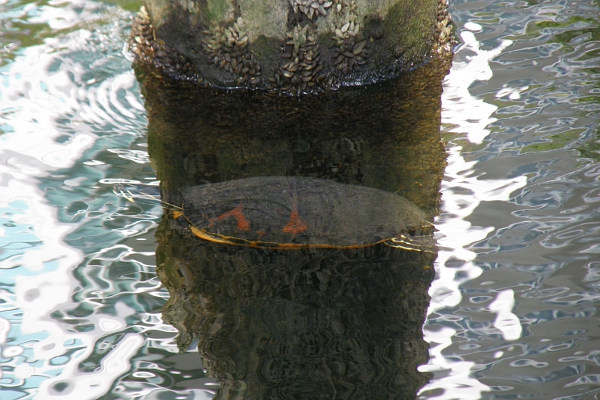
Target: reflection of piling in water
x,y
384,136
299,324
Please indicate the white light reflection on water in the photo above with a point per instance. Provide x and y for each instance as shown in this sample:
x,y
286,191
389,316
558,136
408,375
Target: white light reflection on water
x,y
461,111
76,385
57,101
462,193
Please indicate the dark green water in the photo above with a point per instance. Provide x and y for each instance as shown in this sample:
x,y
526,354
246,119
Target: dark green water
x,y
514,304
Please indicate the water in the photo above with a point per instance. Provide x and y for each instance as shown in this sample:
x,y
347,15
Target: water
x,y
514,301
80,298
514,306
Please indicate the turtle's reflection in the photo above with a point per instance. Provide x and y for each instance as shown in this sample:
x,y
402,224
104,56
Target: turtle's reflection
x,y
306,324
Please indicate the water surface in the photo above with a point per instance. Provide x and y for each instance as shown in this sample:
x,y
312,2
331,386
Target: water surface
x,y
514,304
513,313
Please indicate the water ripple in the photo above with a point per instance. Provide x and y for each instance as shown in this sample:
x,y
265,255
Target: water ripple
x,y
528,111
78,288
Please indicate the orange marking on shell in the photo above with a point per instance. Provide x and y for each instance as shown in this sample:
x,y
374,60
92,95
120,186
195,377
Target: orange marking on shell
x,y
296,225
238,214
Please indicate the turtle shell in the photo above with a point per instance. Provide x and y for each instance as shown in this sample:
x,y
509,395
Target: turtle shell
x,y
296,212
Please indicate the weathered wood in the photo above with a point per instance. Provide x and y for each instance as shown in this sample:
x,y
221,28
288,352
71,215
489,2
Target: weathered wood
x,y
289,46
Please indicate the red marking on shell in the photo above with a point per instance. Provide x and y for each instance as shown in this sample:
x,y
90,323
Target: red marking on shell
x,y
238,214
296,225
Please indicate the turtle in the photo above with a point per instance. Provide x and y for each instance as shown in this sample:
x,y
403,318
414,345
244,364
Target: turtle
x,y
279,212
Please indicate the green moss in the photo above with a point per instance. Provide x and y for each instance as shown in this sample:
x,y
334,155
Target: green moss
x,y
563,31
564,24
265,17
129,5
408,27
267,50
592,148
554,142
218,10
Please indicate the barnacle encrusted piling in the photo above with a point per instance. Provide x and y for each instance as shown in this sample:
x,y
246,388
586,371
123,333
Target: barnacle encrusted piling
x,y
290,47
151,51
311,8
300,72
228,49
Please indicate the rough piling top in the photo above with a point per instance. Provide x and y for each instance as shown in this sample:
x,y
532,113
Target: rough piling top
x,y
289,46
